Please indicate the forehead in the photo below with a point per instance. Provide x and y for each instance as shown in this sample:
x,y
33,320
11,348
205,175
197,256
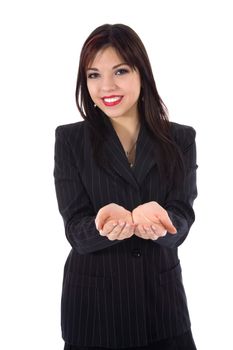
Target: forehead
x,y
106,57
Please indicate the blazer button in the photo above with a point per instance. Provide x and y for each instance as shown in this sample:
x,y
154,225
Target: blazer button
x,y
136,253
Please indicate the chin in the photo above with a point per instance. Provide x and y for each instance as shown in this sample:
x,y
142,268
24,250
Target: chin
x,y
112,115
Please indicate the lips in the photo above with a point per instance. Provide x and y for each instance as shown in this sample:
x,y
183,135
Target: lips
x,y
113,100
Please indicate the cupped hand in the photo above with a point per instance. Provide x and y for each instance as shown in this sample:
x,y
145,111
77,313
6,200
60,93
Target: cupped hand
x,y
115,222
152,221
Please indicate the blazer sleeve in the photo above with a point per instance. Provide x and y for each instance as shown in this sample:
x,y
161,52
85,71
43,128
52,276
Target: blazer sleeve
x,y
73,201
179,201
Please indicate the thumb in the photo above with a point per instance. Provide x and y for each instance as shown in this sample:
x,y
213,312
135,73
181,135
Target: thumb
x,y
100,220
167,223
170,228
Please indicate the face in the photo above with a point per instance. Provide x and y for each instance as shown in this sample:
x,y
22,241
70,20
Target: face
x,y
113,85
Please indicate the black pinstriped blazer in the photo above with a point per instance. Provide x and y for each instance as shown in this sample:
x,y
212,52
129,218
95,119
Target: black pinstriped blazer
x,y
121,293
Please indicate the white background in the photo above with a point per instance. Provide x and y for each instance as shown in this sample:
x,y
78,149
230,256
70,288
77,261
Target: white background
x,y
190,47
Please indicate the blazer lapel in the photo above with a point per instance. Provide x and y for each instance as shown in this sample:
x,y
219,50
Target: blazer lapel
x,y
118,159
147,154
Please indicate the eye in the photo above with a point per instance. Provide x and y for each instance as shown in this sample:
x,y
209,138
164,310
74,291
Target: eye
x,y
92,75
122,71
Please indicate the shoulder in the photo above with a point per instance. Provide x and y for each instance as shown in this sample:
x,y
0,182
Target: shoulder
x,y
69,129
183,135
71,132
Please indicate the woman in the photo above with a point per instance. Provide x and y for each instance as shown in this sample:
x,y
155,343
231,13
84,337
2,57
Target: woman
x,y
125,181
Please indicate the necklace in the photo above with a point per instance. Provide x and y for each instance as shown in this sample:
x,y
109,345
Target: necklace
x,y
131,149
131,154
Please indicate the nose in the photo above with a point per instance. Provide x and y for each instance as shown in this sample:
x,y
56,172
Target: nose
x,y
108,84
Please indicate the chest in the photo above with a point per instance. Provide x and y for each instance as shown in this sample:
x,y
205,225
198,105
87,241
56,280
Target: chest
x,y
106,185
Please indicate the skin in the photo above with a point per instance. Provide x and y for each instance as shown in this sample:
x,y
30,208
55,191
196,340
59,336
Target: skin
x,y
108,75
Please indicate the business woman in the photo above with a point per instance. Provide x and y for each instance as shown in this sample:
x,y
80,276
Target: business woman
x,y
125,181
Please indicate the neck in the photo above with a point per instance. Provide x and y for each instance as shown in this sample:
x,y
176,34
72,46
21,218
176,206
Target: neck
x,y
127,130
126,127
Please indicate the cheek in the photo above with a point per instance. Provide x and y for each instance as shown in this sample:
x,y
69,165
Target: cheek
x,y
136,84
136,91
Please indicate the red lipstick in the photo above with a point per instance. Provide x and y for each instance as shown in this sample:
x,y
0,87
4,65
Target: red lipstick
x,y
112,100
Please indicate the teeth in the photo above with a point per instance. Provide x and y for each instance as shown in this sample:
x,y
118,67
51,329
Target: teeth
x,y
112,99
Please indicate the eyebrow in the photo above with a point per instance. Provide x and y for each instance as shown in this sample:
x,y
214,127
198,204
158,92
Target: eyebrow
x,y
114,67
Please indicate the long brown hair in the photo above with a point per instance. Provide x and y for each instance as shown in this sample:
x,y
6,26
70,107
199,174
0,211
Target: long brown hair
x,y
151,107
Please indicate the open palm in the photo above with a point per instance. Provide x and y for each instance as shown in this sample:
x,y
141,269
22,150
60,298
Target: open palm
x,y
152,221
115,222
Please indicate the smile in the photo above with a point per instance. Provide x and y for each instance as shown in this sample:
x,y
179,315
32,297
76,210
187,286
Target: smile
x,y
111,100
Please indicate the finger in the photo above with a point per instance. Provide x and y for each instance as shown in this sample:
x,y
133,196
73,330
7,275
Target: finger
x,y
154,237
131,232
163,234
166,221
142,232
141,229
159,230
108,228
127,231
150,233
148,230
137,233
124,232
100,220
113,235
